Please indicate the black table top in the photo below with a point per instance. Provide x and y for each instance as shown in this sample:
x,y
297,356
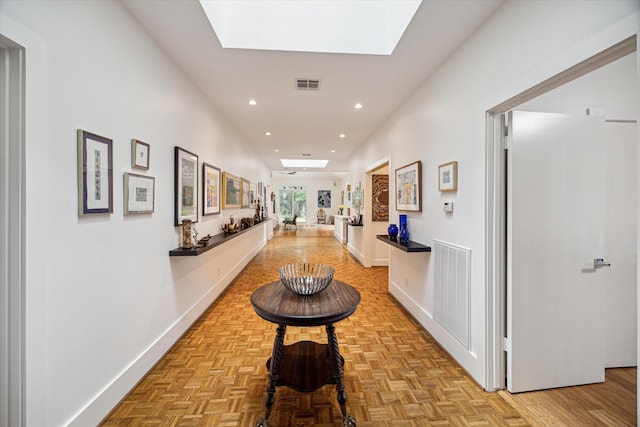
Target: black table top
x,y
277,304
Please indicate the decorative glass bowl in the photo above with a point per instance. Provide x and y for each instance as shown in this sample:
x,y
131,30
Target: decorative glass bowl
x,y
306,279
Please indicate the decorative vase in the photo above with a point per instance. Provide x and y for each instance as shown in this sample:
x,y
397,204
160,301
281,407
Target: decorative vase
x,y
393,231
404,230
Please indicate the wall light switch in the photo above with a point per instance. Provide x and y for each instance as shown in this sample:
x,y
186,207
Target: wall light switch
x,y
447,207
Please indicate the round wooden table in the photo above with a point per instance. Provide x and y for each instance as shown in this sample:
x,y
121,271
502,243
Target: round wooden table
x,y
306,365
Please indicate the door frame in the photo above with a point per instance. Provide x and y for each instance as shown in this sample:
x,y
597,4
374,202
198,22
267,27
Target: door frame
x,y
495,204
12,233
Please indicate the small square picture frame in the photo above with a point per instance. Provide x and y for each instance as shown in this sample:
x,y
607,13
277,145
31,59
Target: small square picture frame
x,y
448,176
140,152
139,193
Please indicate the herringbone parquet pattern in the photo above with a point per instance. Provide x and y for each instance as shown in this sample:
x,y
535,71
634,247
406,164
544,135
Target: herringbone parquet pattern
x,y
395,373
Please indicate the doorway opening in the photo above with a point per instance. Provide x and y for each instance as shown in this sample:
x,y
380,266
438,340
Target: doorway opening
x,y
496,204
293,202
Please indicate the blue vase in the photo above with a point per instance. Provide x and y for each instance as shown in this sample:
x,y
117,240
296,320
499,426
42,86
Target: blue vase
x,y
404,230
393,231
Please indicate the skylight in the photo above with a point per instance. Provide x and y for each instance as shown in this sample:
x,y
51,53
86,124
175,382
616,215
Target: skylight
x,y
371,27
303,163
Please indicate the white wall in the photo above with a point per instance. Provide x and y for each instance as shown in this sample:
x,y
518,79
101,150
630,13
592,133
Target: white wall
x,y
445,121
104,299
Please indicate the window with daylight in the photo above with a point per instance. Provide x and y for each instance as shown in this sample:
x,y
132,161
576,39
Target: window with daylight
x,y
293,201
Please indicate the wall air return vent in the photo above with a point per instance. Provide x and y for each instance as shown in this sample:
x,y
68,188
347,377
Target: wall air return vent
x,y
307,84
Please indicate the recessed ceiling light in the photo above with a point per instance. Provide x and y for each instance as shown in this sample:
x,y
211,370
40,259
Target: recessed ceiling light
x,y
252,102
357,106
276,150
302,163
333,151
267,133
342,135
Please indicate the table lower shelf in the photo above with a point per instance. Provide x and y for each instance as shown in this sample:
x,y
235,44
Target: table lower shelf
x,y
305,366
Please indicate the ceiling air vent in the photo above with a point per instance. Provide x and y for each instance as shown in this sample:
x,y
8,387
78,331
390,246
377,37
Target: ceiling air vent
x,y
305,155
307,84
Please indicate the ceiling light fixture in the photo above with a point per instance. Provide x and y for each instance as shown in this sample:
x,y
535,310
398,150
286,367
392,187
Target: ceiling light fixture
x,y
357,106
302,163
342,135
252,102
267,133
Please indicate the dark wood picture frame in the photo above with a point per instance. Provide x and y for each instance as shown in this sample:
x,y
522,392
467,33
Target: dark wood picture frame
x,y
95,174
409,187
185,186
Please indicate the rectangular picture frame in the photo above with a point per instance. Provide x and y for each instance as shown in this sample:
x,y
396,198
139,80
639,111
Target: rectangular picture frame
x,y
140,152
253,194
231,191
186,186
211,180
139,193
95,174
409,187
448,176
246,193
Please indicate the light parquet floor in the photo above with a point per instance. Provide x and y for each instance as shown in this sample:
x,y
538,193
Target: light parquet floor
x,y
395,372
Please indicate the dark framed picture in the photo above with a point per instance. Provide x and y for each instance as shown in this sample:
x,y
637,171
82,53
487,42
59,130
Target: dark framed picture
x,y
409,187
210,189
186,186
139,193
324,198
448,176
231,191
95,174
246,193
140,152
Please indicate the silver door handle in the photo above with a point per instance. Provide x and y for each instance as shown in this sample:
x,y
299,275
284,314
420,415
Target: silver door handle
x,y
600,262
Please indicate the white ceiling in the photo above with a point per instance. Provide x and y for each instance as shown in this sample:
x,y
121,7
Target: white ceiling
x,y
308,122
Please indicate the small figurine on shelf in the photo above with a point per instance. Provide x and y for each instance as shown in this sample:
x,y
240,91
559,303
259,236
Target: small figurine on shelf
x,y
186,234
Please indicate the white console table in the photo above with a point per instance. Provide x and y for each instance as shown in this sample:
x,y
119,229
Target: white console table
x,y
340,228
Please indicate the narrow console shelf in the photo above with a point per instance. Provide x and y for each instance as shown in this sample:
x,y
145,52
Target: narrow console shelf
x,y
409,246
215,240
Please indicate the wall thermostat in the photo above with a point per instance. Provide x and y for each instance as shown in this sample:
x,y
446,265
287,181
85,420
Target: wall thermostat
x,y
447,207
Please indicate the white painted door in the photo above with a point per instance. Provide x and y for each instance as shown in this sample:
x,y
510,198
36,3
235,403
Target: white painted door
x,y
555,212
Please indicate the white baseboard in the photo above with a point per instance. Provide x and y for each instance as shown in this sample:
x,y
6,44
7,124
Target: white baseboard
x,y
467,359
104,402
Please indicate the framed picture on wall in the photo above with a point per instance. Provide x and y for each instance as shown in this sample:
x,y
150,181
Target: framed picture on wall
x,y
253,194
231,191
246,193
140,152
185,186
409,187
448,176
139,193
210,189
95,174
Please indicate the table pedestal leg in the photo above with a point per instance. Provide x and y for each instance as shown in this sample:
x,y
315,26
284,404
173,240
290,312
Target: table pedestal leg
x,y
336,364
276,356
